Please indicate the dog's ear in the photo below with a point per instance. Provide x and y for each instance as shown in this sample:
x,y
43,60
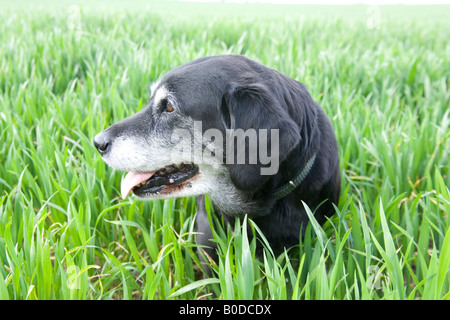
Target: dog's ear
x,y
254,110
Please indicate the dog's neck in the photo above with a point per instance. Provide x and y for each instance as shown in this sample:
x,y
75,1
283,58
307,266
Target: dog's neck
x,y
302,158
296,180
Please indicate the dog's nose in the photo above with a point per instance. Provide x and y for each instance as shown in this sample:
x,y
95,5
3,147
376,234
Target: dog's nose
x,y
102,142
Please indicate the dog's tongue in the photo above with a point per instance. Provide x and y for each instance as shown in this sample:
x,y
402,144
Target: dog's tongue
x,y
131,180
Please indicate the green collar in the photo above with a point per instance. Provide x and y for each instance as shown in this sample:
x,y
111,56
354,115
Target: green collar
x,y
286,189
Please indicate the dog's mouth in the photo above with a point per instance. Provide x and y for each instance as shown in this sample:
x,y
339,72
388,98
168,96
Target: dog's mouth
x,y
163,180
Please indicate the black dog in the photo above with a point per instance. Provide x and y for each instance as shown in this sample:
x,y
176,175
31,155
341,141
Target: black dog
x,y
248,136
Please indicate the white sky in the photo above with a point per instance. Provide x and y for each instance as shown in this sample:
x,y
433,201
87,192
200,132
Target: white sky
x,y
368,2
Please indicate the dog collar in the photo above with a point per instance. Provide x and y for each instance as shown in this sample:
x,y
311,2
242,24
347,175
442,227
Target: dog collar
x,y
286,189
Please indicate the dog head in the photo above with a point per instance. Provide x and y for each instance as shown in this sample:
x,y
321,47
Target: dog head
x,y
196,135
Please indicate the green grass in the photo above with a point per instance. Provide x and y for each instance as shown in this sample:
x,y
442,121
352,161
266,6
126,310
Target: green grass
x,y
65,233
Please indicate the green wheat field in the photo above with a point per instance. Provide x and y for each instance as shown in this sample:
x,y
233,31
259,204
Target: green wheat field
x,y
69,70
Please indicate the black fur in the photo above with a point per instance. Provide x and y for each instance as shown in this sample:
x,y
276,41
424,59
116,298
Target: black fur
x,y
235,92
258,97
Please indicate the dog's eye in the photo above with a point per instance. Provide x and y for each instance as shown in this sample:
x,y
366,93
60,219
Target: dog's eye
x,y
169,108
166,106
